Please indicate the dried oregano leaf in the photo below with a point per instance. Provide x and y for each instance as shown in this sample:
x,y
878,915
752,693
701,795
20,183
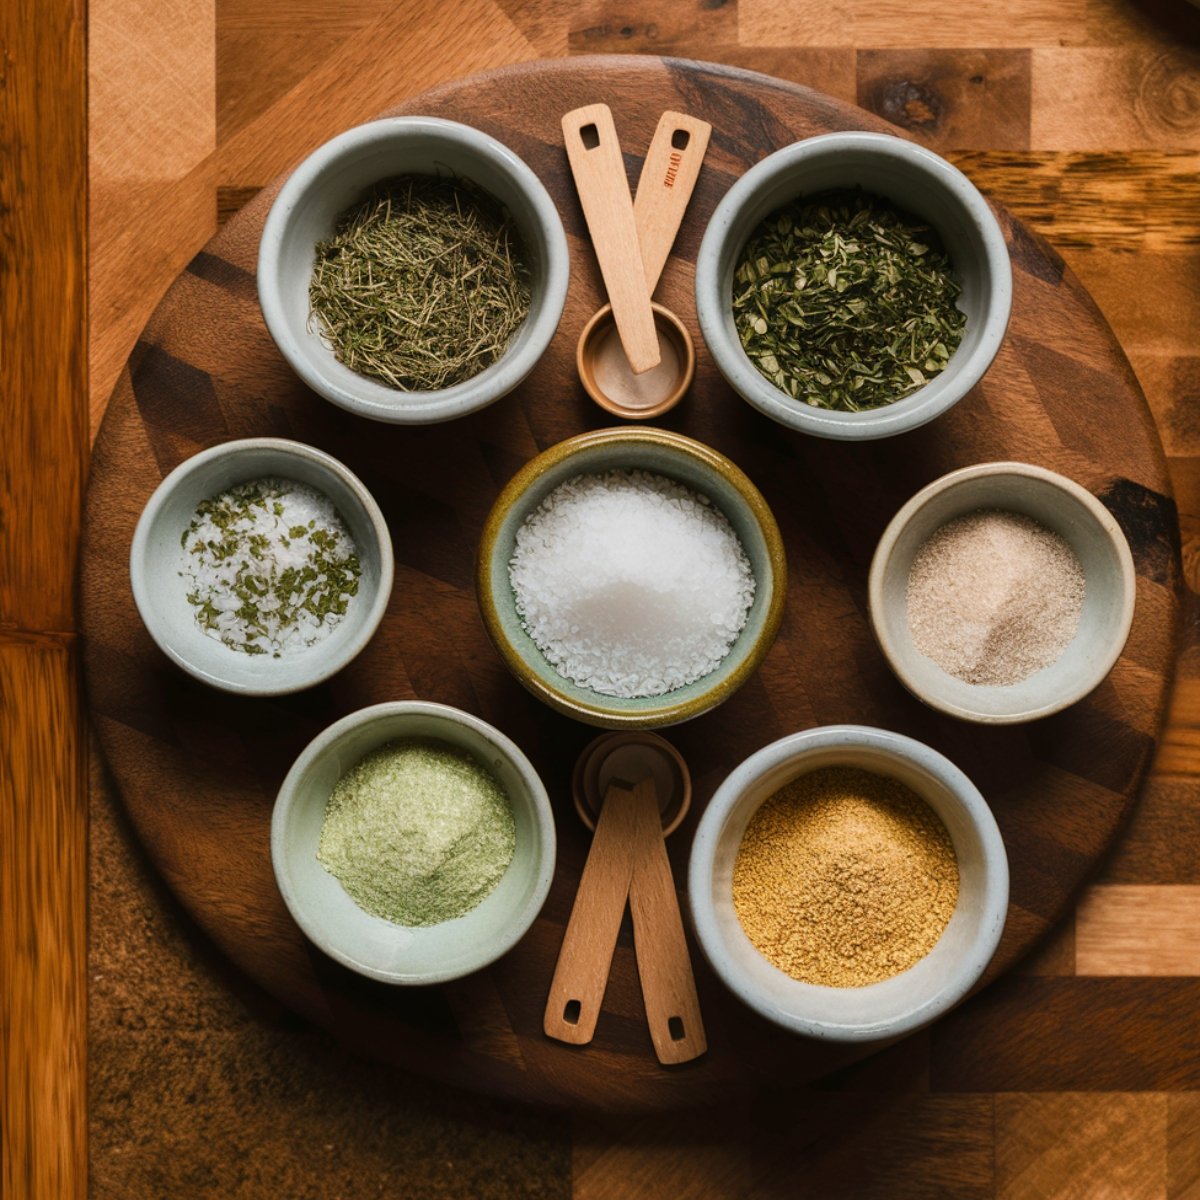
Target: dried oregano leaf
x,y
845,302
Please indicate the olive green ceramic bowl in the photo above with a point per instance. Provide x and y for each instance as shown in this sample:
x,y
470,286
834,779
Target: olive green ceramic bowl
x,y
687,462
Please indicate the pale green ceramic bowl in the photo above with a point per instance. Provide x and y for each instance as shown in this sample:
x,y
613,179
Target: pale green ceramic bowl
x,y
687,462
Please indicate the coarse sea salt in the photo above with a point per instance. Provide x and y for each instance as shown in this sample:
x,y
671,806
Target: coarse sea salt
x,y
630,583
269,567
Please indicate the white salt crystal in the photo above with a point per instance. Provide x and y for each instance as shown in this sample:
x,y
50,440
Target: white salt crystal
x,y
630,584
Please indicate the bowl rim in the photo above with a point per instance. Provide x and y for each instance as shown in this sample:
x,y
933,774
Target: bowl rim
x,y
287,797
910,411
140,558
881,559
794,748
668,712
376,401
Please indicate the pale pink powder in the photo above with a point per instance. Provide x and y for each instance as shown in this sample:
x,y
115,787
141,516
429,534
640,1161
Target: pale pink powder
x,y
993,597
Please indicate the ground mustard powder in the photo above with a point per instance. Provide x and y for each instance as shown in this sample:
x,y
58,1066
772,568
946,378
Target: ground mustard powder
x,y
845,878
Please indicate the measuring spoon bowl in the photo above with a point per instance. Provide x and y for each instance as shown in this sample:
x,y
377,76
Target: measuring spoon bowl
x,y
609,380
630,756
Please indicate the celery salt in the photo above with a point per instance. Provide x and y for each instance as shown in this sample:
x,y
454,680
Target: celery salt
x,y
630,583
417,832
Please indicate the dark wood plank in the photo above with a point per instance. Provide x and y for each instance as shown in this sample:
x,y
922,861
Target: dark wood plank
x,y
1072,1035
43,462
1060,394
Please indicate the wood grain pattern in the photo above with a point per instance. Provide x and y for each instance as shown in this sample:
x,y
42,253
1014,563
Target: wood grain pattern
x,y
1081,1146
43,900
1138,930
665,187
893,23
205,371
581,973
663,957
599,173
43,462
168,1020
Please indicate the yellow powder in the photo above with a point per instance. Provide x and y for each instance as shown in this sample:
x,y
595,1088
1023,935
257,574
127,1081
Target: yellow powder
x,y
845,878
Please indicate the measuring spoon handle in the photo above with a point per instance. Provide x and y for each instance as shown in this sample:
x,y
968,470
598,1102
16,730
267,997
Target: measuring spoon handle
x,y
581,975
599,170
664,964
669,174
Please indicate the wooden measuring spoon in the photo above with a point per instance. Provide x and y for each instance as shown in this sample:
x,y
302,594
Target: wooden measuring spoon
x,y
664,964
599,170
581,975
669,174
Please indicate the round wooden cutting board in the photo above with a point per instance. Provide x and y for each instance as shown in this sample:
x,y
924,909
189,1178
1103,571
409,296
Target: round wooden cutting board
x,y
198,770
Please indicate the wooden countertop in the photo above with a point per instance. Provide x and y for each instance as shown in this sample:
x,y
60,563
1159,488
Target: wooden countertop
x,y
1083,117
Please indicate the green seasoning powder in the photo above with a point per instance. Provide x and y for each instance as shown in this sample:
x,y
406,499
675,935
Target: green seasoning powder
x,y
417,832
422,285
844,302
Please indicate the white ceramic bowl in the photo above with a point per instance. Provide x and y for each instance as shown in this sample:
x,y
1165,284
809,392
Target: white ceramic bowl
x,y
896,1006
911,177
371,945
1061,505
336,175
156,557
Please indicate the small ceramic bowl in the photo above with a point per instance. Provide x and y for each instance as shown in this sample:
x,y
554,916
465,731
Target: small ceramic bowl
x,y
879,1011
156,557
376,947
663,453
1062,506
914,179
338,174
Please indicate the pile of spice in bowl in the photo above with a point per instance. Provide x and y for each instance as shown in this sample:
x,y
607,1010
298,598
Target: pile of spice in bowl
x,y
412,270
848,883
1002,592
261,566
413,842
853,286
631,577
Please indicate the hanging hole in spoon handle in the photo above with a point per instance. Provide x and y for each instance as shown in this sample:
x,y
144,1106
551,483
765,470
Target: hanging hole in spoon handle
x,y
584,960
668,176
664,963
594,154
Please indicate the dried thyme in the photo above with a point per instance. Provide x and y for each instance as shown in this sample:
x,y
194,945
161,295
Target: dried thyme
x,y
844,302
423,284
269,567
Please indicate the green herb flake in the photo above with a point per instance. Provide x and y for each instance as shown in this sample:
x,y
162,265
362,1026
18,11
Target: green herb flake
x,y
844,302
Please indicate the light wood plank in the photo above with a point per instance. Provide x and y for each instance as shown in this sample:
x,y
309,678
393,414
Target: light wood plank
x,y
1115,98
883,24
152,95
1131,929
416,46
1081,1146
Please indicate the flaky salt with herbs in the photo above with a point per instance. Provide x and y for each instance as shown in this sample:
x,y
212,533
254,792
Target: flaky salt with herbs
x,y
631,584
269,567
